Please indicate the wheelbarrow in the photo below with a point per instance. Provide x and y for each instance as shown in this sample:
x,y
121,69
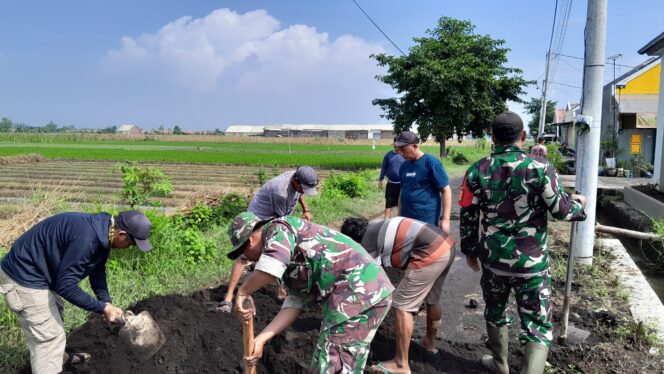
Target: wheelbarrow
x,y
141,333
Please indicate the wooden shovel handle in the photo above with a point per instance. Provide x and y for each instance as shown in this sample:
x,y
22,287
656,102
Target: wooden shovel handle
x,y
248,335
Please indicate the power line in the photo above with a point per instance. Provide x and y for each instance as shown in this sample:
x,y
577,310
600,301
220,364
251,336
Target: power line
x,y
379,29
581,58
566,85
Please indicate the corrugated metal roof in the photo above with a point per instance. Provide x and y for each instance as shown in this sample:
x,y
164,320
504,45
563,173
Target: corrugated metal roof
x,y
305,127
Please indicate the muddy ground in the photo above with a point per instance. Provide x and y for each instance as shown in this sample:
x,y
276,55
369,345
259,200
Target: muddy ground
x,y
201,341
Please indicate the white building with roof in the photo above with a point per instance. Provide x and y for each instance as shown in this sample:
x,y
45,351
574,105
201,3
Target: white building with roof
x,y
341,131
128,130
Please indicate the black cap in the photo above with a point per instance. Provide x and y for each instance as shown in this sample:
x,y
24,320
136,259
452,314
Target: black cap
x,y
405,138
308,178
137,225
507,126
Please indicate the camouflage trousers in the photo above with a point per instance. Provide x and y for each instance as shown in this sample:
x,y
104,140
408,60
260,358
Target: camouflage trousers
x,y
344,348
533,301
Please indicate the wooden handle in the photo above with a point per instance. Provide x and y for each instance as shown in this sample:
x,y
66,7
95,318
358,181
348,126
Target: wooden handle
x,y
248,335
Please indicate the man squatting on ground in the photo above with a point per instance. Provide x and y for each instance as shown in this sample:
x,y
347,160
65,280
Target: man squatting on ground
x,y
390,168
423,182
48,262
513,191
319,266
426,254
276,198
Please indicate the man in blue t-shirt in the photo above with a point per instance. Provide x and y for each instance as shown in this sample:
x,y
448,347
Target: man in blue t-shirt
x,y
423,182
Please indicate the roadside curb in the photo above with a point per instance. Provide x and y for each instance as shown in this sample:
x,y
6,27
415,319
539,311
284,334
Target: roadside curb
x,y
644,304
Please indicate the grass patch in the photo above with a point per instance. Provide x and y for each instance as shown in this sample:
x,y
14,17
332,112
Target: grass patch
x,y
342,156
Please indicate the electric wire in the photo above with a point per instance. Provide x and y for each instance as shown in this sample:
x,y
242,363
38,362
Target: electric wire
x,y
378,27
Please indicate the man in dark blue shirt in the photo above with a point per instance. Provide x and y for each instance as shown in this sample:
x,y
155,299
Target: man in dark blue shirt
x,y
390,168
48,262
423,181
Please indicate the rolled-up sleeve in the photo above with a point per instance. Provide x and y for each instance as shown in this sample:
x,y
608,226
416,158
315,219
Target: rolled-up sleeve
x,y
279,243
557,201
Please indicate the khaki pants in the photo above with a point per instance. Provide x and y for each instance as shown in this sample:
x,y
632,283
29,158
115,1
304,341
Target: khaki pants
x,y
40,316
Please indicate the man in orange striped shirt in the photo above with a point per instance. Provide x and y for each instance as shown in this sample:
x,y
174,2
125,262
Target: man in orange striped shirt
x,y
426,253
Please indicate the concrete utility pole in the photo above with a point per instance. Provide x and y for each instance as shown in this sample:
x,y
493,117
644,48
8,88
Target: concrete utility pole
x,y
591,112
545,86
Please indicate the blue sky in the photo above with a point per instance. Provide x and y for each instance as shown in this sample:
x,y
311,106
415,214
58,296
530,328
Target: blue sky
x,y
209,64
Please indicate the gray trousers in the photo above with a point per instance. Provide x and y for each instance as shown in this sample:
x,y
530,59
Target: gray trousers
x,y
40,315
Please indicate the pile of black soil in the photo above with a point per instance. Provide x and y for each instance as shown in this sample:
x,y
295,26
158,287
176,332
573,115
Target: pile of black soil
x,y
203,341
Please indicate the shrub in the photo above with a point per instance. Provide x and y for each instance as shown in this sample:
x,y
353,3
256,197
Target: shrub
x,y
346,185
230,205
459,159
555,158
141,184
200,216
197,247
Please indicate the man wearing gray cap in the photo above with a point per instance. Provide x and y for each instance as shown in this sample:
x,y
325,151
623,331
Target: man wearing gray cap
x,y
47,263
277,198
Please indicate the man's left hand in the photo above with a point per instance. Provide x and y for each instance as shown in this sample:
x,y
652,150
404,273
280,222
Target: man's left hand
x,y
307,216
445,226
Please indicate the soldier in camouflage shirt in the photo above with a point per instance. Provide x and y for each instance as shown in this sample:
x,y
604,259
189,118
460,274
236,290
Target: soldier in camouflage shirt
x,y
513,192
319,266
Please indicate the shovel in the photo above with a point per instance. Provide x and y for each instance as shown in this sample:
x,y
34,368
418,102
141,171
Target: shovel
x,y
141,333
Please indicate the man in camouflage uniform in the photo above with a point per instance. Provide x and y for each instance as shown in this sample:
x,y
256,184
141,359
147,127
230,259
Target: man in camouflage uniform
x,y
513,192
319,266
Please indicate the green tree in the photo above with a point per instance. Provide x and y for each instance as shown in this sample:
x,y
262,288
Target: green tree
x,y
533,107
177,130
109,130
5,124
451,82
50,127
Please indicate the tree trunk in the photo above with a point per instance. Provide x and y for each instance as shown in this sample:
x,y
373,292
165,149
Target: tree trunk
x,y
443,148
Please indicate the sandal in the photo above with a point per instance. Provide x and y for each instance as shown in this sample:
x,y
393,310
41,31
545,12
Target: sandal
x,y
81,357
380,368
418,342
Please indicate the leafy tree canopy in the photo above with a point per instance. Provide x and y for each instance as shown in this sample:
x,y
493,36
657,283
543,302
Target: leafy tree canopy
x,y
452,81
533,107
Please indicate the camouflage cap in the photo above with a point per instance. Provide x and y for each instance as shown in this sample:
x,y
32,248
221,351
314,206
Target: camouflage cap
x,y
239,232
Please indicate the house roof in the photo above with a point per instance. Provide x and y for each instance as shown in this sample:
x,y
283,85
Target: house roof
x,y
307,127
123,128
654,46
631,74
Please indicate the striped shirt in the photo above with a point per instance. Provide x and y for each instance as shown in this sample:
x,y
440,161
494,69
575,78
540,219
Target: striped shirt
x,y
406,243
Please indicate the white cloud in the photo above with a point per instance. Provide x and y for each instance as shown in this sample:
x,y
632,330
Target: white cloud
x,y
196,52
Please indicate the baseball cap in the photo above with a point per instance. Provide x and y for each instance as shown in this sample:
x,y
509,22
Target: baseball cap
x,y
308,178
240,230
137,225
405,138
507,126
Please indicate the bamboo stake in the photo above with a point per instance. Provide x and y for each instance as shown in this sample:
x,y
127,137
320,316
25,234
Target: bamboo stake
x,y
624,232
248,335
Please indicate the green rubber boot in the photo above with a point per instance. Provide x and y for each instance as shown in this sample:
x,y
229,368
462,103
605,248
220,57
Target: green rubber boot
x,y
498,341
535,358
